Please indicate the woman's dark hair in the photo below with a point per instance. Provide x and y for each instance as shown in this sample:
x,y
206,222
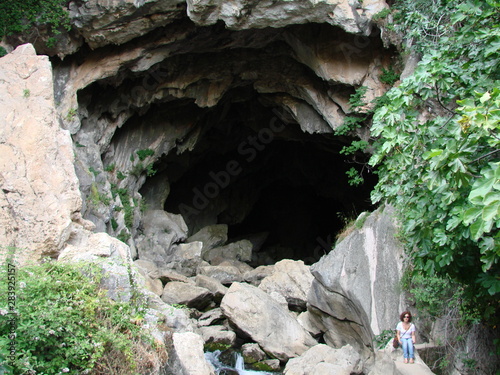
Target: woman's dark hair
x,y
402,316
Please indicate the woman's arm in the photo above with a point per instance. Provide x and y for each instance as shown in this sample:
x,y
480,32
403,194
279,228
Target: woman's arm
x,y
413,336
398,336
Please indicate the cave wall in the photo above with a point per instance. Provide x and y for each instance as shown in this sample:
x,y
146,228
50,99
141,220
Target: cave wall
x,y
219,113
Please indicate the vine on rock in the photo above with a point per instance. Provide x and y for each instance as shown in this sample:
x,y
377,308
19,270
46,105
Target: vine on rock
x,y
438,151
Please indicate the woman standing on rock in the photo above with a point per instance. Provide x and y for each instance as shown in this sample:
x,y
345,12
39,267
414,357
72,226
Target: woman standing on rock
x,y
406,336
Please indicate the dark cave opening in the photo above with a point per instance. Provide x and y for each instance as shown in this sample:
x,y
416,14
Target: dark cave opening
x,y
242,139
271,183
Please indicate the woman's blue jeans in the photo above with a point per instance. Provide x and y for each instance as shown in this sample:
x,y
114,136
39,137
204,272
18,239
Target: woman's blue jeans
x,y
407,348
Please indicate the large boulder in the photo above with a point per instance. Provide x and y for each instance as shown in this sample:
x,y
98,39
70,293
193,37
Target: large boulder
x,y
291,279
218,335
356,292
270,325
188,357
211,236
225,273
186,258
160,230
180,293
240,250
324,360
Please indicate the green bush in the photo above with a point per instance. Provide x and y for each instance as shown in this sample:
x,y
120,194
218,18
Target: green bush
x,y
18,16
388,76
143,154
64,323
382,339
3,51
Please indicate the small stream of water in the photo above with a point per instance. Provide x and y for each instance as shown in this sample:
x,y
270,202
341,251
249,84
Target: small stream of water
x,y
239,366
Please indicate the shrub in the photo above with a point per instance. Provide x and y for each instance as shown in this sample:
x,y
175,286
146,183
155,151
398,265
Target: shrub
x,y
18,16
388,76
66,323
143,154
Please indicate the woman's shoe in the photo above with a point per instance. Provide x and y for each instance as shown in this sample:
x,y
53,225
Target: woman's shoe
x,y
412,361
406,360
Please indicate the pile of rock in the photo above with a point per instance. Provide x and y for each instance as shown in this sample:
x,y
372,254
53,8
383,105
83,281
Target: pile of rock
x,y
288,315
264,317
232,303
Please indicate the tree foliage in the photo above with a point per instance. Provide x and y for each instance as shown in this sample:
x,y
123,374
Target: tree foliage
x,y
438,150
19,16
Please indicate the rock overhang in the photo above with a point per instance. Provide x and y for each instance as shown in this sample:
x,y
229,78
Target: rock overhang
x,y
215,102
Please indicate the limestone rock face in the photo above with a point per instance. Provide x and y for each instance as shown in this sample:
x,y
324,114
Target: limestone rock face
x,y
39,197
244,14
356,288
269,324
101,22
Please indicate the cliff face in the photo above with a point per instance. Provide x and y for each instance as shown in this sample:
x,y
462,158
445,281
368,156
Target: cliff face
x,y
202,133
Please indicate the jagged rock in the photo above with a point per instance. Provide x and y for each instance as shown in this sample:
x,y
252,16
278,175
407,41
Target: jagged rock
x,y
174,317
241,266
279,299
153,285
383,365
241,250
291,279
177,292
252,353
225,274
211,317
351,307
39,197
148,267
215,286
256,275
188,357
218,335
186,258
167,275
161,230
117,21
322,360
244,14
310,322
210,236
265,321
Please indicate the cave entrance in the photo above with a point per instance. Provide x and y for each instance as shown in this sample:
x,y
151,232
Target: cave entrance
x,y
284,190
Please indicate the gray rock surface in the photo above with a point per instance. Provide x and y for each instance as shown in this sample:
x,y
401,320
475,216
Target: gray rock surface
x,y
291,279
188,357
40,201
180,293
273,327
356,288
323,360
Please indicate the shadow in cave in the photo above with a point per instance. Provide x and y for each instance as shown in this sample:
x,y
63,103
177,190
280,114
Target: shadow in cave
x,y
287,192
